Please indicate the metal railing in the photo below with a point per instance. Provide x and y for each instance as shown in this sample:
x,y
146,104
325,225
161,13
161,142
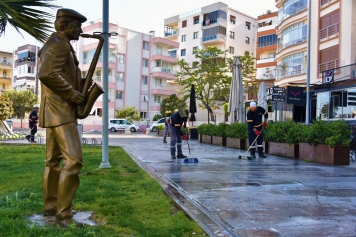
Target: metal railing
x,y
290,73
292,43
324,2
260,45
295,12
170,33
171,55
329,31
341,73
328,65
6,63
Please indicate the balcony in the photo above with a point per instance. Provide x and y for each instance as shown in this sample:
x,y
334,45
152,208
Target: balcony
x,y
265,44
266,60
327,66
160,89
161,41
209,22
290,44
161,72
323,3
214,39
289,73
165,56
328,32
173,34
295,12
342,73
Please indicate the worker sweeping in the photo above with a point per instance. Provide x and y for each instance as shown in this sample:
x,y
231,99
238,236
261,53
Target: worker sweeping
x,y
176,121
254,121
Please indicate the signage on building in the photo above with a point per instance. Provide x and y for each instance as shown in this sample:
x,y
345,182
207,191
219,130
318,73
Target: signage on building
x,y
328,76
295,95
277,93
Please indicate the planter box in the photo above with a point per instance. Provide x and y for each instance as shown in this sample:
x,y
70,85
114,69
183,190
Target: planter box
x,y
199,137
220,141
337,155
206,139
284,149
161,132
236,143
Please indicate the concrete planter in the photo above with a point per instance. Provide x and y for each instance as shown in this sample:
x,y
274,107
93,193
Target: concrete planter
x,y
337,155
236,143
220,141
283,149
206,139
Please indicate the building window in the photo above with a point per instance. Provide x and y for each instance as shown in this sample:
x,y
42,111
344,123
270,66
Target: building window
x,y
182,52
196,20
157,99
31,70
4,60
4,73
195,35
267,40
232,20
248,25
145,45
195,49
3,87
158,82
121,40
143,114
232,35
119,95
120,58
231,50
144,80
144,62
183,38
247,40
184,23
120,76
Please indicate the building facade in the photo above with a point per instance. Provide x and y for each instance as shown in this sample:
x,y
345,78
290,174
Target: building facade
x,y
141,70
5,71
213,25
25,69
332,43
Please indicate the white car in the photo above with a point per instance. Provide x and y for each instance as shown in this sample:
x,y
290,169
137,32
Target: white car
x,y
122,124
154,125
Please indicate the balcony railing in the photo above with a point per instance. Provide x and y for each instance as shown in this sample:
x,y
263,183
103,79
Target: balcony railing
x,y
173,32
342,73
264,44
329,31
214,37
292,43
290,73
324,2
165,70
295,12
171,55
328,65
6,63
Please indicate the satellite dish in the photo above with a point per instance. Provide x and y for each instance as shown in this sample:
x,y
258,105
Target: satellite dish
x,y
269,11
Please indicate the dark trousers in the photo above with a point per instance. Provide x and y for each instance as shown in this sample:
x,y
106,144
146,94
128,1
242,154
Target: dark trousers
x,y
33,132
176,138
251,137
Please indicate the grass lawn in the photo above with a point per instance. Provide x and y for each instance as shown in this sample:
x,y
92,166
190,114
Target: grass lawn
x,y
125,200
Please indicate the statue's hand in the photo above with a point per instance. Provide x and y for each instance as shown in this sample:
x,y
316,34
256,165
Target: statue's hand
x,y
77,98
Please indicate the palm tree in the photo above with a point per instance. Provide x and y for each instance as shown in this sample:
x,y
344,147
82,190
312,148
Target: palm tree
x,y
25,15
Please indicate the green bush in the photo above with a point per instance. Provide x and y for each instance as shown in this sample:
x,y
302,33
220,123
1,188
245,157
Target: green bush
x,y
160,127
328,132
285,132
237,130
156,117
206,129
219,130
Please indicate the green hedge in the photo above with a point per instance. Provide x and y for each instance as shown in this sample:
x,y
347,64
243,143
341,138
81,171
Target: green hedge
x,y
237,130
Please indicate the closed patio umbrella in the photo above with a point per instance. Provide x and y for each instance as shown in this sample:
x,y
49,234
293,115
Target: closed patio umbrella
x,y
262,96
236,97
192,104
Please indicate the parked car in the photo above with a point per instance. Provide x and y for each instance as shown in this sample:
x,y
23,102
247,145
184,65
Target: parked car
x,y
122,124
154,125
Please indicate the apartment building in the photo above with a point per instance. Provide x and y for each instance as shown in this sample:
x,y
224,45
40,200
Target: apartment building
x,y
266,46
25,69
332,45
5,71
213,25
141,70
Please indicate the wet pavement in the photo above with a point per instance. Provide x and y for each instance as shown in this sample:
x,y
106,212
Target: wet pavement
x,y
228,196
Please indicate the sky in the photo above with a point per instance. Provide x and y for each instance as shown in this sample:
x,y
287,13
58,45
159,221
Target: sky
x,y
139,15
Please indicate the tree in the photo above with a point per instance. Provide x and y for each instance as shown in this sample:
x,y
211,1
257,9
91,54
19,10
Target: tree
x,y
171,103
210,74
248,72
6,108
129,113
25,15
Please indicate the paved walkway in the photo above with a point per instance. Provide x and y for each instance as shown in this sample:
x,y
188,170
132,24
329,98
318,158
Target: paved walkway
x,y
275,196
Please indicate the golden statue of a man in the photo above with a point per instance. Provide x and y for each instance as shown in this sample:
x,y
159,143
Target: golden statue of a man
x,y
60,96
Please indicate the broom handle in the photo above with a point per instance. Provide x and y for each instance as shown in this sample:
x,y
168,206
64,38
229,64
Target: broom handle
x,y
254,141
